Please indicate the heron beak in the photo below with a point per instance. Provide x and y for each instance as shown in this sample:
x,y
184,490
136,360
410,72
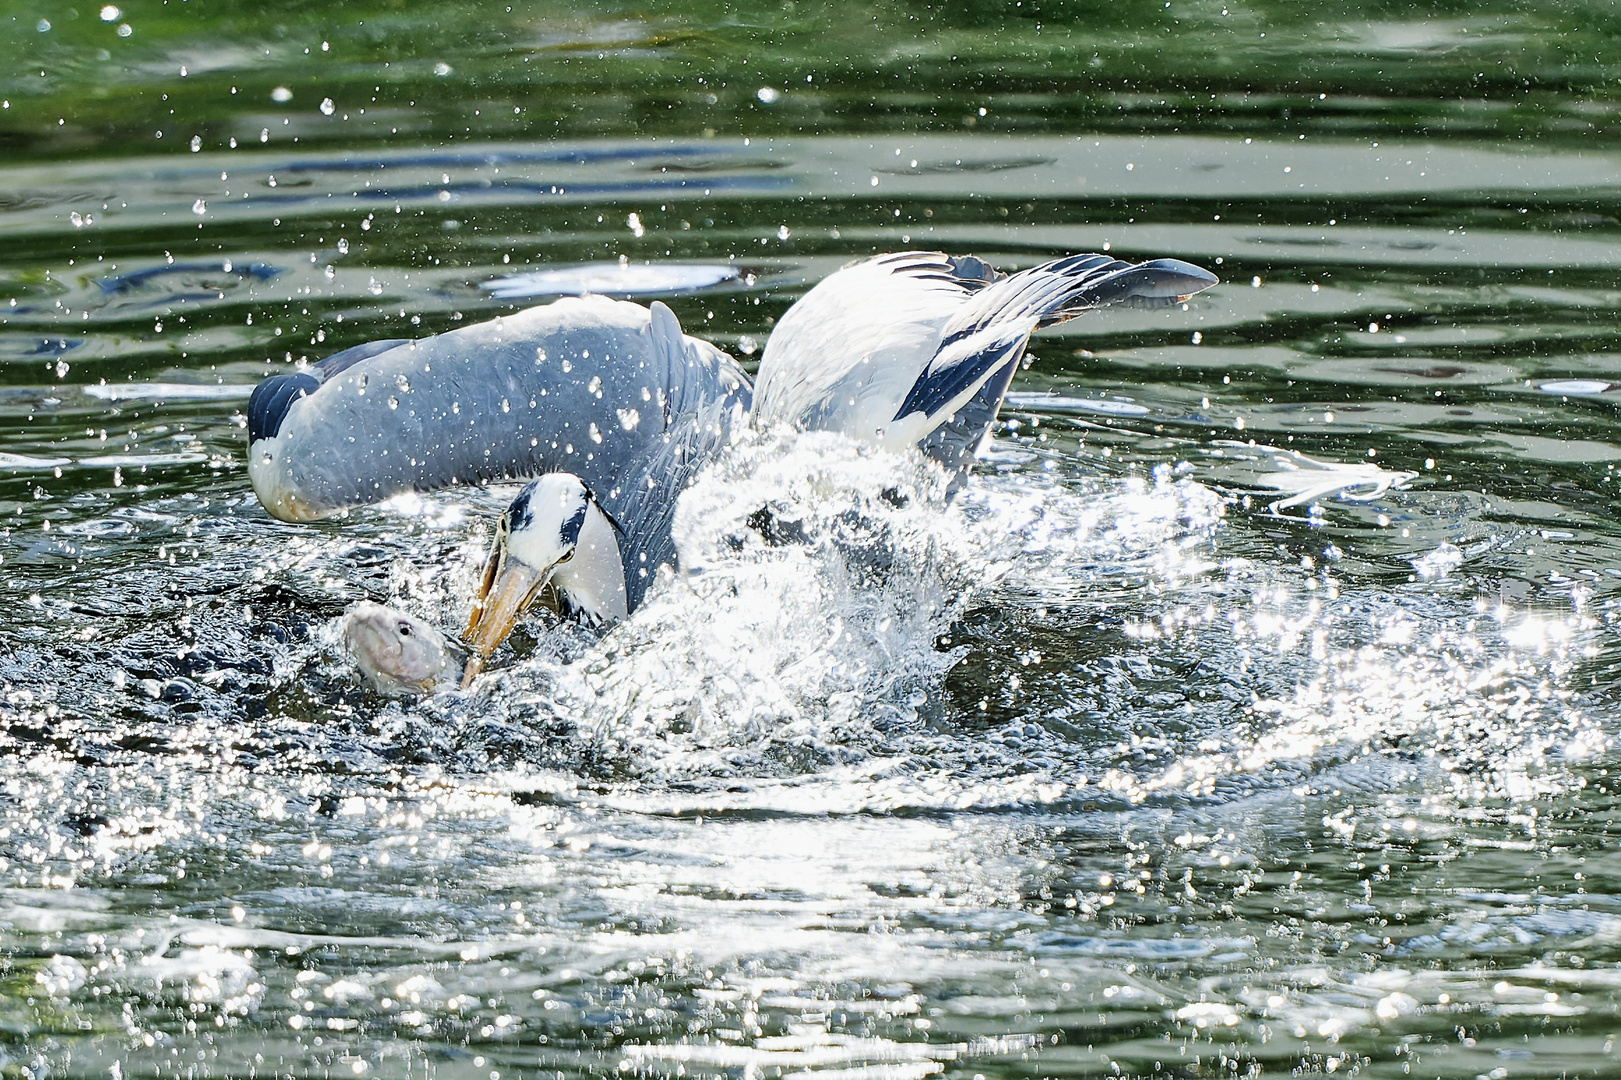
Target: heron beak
x,y
508,588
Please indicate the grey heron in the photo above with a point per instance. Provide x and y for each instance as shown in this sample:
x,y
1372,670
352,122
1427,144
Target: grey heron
x,y
614,409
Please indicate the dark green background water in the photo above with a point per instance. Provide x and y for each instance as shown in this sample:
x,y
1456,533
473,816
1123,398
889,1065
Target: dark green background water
x,y
1218,786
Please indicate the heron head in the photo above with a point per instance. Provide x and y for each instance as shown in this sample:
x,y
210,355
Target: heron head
x,y
556,534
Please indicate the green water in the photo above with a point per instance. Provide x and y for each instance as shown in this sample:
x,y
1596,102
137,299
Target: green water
x,y
1174,751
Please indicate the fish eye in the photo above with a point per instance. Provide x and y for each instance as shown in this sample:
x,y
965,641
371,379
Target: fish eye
x,y
405,629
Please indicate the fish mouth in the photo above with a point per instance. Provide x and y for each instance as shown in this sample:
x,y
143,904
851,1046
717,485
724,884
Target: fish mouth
x,y
508,588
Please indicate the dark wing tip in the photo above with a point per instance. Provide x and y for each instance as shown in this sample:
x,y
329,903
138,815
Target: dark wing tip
x,y
1156,283
1172,277
273,399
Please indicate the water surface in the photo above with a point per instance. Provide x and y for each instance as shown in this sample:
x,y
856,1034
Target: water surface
x,y
1250,712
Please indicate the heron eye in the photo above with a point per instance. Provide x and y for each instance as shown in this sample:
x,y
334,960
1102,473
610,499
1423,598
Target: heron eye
x,y
405,629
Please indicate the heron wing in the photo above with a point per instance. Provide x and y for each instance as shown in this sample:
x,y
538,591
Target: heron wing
x,y
581,385
952,404
845,355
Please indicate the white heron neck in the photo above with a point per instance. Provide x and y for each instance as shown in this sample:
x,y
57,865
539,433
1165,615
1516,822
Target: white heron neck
x,y
593,581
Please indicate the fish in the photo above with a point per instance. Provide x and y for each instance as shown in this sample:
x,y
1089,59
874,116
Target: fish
x,y
398,655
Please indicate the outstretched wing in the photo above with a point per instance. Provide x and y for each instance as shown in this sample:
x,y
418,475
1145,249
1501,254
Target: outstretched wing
x,y
918,348
843,357
956,396
581,385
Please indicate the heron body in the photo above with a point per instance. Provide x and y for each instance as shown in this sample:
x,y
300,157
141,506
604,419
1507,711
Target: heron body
x,y
918,348
583,385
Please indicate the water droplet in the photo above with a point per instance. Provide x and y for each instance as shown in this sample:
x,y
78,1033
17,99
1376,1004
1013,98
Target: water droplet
x,y
281,94
196,143
199,207
393,402
110,13
343,246
441,69
403,383
768,95
327,107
